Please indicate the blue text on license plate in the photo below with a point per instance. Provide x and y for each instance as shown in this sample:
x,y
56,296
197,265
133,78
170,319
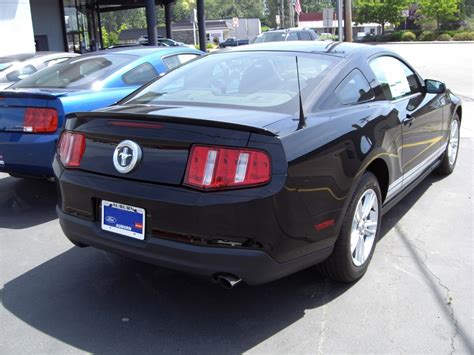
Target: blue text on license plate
x,y
123,219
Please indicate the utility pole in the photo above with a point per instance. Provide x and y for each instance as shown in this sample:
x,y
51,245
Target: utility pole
x,y
292,13
348,20
339,20
282,13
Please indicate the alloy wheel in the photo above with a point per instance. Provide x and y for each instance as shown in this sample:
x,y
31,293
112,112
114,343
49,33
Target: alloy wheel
x,y
453,142
364,227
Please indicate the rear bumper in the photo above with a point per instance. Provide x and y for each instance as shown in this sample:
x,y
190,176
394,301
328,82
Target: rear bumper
x,y
27,154
252,266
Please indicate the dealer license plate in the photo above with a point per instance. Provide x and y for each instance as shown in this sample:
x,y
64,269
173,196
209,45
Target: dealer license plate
x,y
123,219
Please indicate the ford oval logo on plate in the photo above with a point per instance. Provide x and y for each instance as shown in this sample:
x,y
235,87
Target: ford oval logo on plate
x,y
111,219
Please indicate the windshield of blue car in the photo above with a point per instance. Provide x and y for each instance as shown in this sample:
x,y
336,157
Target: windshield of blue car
x,y
76,73
245,80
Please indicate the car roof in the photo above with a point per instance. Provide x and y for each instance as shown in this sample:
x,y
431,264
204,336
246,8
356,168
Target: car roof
x,y
293,29
341,49
140,51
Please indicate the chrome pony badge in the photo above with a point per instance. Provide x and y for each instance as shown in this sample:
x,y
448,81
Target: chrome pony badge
x,y
126,156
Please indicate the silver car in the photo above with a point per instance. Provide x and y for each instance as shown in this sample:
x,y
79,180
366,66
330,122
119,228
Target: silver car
x,y
15,69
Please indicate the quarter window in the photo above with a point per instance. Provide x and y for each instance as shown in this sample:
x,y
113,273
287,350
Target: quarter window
x,y
354,89
174,61
140,75
395,78
27,70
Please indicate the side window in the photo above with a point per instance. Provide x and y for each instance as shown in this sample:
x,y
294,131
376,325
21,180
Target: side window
x,y
413,81
140,75
354,88
304,36
292,36
395,78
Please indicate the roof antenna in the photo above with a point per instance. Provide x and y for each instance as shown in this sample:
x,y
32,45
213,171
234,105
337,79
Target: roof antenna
x,y
302,118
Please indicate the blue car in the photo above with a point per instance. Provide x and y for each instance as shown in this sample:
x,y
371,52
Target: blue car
x,y
32,111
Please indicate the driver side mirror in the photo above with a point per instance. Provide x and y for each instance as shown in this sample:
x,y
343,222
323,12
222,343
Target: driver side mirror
x,y
434,86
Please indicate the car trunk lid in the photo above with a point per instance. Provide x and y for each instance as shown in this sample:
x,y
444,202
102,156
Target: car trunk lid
x,y
14,103
165,141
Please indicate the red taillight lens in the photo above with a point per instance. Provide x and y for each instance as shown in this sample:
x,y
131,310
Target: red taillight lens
x,y
40,120
71,148
212,168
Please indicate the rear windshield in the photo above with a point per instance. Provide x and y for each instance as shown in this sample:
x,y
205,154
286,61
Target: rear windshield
x,y
244,80
270,37
76,73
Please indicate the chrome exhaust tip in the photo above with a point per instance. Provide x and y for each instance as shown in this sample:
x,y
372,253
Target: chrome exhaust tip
x,y
228,281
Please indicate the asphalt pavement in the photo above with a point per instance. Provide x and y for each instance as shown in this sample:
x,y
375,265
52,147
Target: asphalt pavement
x,y
417,296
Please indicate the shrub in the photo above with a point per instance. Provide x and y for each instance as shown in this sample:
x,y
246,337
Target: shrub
x,y
396,36
328,37
408,36
427,36
444,37
387,37
369,38
464,36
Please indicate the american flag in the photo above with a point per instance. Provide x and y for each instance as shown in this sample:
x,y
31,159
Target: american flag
x,y
298,7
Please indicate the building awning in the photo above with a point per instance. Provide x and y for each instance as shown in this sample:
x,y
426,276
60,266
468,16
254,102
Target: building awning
x,y
114,5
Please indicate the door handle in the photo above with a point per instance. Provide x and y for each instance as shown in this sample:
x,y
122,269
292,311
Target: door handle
x,y
408,119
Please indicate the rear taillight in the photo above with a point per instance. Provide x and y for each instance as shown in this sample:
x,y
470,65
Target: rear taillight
x,y
71,148
211,168
40,120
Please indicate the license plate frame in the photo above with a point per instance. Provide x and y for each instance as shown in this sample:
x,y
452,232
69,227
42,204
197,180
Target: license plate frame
x,y
122,219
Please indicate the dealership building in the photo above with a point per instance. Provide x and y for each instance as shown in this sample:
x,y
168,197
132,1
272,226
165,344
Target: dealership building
x,y
71,25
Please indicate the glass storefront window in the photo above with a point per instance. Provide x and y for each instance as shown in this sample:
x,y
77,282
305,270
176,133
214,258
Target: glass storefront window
x,y
81,18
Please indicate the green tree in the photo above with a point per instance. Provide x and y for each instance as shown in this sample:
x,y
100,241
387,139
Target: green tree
x,y
316,5
440,10
218,9
379,11
112,37
276,7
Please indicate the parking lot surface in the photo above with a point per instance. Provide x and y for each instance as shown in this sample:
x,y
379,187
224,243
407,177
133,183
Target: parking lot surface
x,y
417,296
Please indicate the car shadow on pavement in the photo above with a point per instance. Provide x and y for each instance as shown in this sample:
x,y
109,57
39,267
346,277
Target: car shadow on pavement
x,y
26,203
102,303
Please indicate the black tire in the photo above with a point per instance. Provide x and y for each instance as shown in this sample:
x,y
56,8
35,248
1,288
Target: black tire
x,y
446,167
340,266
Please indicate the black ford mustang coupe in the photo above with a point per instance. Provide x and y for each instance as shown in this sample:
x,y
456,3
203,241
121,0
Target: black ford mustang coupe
x,y
253,163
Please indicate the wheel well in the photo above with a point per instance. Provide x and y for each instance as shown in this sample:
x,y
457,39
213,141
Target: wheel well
x,y
379,168
459,112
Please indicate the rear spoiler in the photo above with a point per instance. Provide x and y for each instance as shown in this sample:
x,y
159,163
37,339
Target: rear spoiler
x,y
73,118
26,95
